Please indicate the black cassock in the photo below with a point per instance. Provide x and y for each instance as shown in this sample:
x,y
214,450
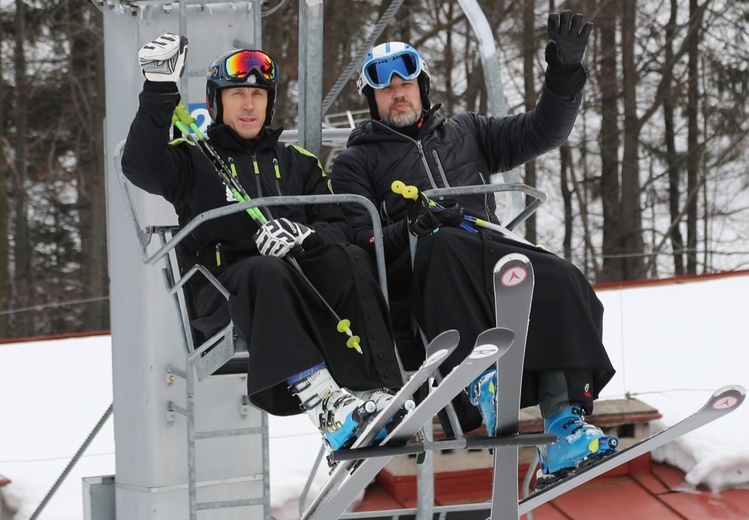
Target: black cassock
x,y
288,330
453,289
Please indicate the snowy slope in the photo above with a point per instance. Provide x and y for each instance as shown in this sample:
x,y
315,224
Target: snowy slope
x,y
683,340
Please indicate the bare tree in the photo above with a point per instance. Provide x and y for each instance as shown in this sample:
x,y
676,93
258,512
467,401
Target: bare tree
x,y
23,274
693,147
672,159
612,247
631,206
531,96
5,287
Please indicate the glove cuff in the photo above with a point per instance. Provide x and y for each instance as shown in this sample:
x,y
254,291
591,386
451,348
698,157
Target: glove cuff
x,y
160,87
311,242
564,81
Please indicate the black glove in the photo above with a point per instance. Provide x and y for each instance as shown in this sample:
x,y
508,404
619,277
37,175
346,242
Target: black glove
x,y
449,213
421,220
564,52
424,220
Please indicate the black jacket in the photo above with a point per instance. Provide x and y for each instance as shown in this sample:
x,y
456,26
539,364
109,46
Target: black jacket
x,y
464,150
186,178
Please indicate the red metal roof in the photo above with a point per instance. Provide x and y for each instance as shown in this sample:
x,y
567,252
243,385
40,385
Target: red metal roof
x,y
639,490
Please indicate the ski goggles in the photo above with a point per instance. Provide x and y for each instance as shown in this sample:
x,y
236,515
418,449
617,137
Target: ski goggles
x,y
378,73
241,64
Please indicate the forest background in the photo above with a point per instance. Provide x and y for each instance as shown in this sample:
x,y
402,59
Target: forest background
x,y
653,182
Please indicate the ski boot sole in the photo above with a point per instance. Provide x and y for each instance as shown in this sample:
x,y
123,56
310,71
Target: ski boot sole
x,y
607,446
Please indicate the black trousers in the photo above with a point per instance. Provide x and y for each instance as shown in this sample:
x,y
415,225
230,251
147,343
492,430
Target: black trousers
x,y
288,329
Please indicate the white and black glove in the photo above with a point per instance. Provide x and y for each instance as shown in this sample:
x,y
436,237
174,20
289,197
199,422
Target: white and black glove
x,y
279,236
163,59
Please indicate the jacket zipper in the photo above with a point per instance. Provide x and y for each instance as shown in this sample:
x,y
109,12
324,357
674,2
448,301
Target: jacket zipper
x,y
439,168
420,148
256,171
277,171
486,198
426,164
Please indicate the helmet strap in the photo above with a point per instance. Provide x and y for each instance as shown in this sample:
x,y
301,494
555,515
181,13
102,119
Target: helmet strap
x,y
424,90
373,110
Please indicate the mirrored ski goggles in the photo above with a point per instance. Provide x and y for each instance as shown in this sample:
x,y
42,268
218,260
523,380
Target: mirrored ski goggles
x,y
241,64
379,71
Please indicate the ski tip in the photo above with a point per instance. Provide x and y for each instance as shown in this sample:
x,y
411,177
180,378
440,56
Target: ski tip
x,y
448,336
728,397
502,337
512,257
493,342
445,340
513,274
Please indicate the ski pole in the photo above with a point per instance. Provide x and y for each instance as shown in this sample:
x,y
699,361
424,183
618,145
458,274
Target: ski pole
x,y
184,121
412,192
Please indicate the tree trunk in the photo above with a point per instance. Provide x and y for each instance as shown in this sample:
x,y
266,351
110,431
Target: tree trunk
x,y
22,246
631,200
529,56
565,166
673,168
87,56
693,153
612,268
5,288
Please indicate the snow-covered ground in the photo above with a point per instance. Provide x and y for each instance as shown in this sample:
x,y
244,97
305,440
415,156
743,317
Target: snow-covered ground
x,y
673,344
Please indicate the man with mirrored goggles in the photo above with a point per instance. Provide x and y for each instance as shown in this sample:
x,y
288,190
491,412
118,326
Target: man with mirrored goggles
x,y
238,65
408,140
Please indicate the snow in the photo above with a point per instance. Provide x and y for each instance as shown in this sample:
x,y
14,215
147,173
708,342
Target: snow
x,y
673,344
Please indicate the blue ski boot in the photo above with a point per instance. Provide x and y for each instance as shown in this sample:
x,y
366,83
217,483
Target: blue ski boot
x,y
338,415
380,399
578,444
483,395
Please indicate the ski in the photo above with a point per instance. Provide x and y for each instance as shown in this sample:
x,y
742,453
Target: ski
x,y
437,351
513,292
351,476
722,402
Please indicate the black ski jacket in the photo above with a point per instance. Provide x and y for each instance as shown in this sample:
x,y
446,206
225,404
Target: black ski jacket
x,y
464,150
181,174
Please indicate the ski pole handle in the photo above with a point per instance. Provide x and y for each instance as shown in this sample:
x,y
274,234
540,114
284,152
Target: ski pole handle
x,y
408,192
184,117
413,193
